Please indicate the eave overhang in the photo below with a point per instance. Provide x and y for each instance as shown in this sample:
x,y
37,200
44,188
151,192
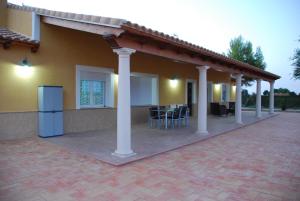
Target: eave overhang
x,y
194,54
9,38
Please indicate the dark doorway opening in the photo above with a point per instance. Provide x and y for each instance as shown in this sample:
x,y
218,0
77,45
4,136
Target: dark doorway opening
x,y
190,97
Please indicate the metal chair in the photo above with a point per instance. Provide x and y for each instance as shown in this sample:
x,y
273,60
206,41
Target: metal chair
x,y
174,117
155,115
183,117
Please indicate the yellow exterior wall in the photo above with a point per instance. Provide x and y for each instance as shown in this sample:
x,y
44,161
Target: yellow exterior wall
x,y
232,92
166,69
217,90
19,21
3,13
61,49
218,78
53,64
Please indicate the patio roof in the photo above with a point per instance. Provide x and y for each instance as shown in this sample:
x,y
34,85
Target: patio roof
x,y
122,33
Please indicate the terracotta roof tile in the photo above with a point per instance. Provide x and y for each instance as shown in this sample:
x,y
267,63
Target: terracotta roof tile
x,y
114,22
8,35
196,48
72,16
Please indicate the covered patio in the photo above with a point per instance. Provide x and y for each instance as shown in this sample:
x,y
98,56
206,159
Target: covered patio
x,y
125,66
147,141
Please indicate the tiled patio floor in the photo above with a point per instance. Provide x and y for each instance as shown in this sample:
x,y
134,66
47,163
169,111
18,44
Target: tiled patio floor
x,y
147,142
258,162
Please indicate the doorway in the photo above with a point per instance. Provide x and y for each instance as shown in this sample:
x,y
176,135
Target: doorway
x,y
190,97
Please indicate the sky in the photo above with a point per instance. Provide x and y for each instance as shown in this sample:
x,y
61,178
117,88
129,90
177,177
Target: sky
x,y
272,25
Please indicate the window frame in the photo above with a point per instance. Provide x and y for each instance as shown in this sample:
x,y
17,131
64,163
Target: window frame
x,y
108,90
91,89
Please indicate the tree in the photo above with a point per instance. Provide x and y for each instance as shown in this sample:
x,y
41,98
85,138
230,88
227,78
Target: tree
x,y
245,97
242,50
296,63
282,91
259,59
245,92
266,93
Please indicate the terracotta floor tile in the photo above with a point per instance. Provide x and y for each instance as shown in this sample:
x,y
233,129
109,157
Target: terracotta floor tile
x,y
258,162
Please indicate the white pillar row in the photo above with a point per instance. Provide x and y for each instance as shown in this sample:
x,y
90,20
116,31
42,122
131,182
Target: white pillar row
x,y
258,98
202,100
238,99
271,98
124,107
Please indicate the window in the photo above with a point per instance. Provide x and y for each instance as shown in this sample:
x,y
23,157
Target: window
x,y
92,93
94,87
143,89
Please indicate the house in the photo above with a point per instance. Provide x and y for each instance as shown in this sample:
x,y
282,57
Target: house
x,y
111,70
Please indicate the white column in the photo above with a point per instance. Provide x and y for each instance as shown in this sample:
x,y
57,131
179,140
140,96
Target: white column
x,y
124,106
258,98
202,100
238,99
271,98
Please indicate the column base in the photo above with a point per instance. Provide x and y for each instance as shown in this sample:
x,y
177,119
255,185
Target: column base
x,y
120,155
239,122
202,132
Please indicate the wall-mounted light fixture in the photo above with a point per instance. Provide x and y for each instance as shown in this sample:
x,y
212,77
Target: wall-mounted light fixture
x,y
174,81
24,63
116,78
233,87
24,68
217,86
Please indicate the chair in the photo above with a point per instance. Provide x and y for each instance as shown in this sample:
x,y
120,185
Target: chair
x,y
155,115
231,108
217,109
174,117
183,115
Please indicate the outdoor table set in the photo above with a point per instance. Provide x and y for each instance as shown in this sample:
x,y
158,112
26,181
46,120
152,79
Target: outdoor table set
x,y
167,116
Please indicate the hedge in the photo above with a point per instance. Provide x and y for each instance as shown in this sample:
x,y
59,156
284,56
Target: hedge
x,y
279,101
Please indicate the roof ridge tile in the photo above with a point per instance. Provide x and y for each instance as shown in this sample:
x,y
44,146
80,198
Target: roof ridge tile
x,y
71,16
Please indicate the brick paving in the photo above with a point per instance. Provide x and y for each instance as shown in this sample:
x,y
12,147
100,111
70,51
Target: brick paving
x,y
258,162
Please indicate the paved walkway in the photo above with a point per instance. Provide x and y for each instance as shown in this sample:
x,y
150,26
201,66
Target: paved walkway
x,y
258,162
